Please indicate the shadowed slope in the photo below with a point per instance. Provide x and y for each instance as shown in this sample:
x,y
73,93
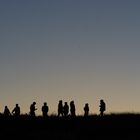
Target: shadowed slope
x,y
92,127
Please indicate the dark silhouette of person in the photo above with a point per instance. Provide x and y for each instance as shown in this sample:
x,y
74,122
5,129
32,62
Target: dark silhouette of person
x,y
72,108
102,107
66,109
6,112
60,108
45,110
16,111
86,109
33,109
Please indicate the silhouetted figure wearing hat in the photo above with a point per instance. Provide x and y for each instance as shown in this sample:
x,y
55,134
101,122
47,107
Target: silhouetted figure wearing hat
x,y
45,110
6,112
33,109
60,108
72,108
16,111
66,109
102,107
86,109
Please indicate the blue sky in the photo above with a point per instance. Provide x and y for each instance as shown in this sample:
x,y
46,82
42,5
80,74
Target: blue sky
x,y
70,50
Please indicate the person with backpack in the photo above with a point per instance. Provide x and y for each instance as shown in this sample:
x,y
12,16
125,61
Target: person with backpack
x,y
33,109
102,107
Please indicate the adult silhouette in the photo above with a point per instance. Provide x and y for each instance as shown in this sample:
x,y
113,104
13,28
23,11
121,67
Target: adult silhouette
x,y
6,112
45,110
86,109
33,109
16,111
72,108
66,109
60,108
102,107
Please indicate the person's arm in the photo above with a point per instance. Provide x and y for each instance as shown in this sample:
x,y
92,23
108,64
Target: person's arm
x,y
13,110
9,112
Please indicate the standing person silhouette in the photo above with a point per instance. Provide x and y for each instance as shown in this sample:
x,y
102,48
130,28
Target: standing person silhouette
x,y
86,109
16,111
45,110
33,109
60,108
72,109
102,107
6,112
66,109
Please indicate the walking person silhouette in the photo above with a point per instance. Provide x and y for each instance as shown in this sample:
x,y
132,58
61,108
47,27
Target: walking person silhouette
x,y
45,110
102,107
60,108
33,109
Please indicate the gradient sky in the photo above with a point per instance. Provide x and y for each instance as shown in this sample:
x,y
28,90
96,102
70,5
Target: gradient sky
x,y
81,50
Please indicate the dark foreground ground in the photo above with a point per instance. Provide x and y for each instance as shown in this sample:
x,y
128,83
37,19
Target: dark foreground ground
x,y
109,127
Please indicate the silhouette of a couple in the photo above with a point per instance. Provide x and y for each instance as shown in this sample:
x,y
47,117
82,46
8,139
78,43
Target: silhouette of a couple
x,y
15,111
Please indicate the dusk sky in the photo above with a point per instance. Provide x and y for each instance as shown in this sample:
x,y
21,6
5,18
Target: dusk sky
x,y
81,50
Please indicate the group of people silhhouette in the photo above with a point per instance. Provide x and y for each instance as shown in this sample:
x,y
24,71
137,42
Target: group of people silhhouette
x,y
44,109
63,110
15,111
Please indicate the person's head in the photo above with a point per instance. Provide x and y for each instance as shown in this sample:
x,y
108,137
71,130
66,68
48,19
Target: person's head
x,y
16,105
86,104
60,101
34,103
101,100
45,104
66,103
72,102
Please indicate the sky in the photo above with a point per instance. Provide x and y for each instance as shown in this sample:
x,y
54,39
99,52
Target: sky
x,y
81,50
